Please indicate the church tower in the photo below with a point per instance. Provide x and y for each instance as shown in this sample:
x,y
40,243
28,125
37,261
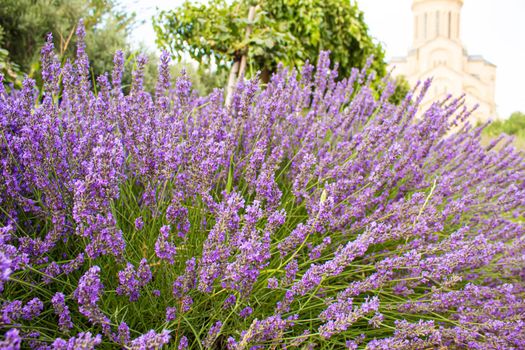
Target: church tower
x,y
437,52
437,18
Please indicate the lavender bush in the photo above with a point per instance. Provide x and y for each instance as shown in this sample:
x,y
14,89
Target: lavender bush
x,y
306,214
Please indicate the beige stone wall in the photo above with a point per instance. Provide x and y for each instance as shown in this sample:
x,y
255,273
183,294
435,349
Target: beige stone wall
x,y
437,53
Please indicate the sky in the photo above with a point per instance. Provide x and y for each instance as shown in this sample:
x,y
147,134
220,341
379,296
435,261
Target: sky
x,y
491,28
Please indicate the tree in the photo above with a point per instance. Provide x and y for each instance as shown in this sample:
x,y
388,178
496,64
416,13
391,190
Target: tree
x,y
25,23
288,31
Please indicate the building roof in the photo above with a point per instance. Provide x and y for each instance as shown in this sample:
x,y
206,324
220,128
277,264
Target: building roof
x,y
398,59
474,58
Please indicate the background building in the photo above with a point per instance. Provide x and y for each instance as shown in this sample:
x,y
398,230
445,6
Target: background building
x,y
437,52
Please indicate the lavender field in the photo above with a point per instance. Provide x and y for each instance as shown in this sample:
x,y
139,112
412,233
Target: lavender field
x,y
307,213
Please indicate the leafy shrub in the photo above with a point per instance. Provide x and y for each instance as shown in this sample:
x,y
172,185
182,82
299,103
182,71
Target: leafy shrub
x,y
514,126
305,214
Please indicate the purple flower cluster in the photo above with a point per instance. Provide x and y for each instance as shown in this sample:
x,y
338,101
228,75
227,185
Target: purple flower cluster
x,y
32,309
187,281
12,340
163,247
88,294
131,281
122,337
308,212
212,335
151,340
83,340
183,343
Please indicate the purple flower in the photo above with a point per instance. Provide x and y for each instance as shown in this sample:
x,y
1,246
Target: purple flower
x,y
351,345
128,283
164,249
183,284
62,311
273,283
83,340
229,301
247,311
269,328
118,61
50,66
212,335
253,253
5,269
139,223
88,295
73,265
215,250
341,315
11,311
144,272
183,343
123,336
171,313
32,309
12,340
291,270
131,281
151,340
186,303
89,287
51,271
177,215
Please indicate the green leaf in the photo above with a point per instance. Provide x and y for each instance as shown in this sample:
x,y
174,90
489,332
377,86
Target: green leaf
x,y
229,183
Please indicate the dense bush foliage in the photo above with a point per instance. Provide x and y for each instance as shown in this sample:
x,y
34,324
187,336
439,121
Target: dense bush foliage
x,y
283,31
514,125
308,214
24,25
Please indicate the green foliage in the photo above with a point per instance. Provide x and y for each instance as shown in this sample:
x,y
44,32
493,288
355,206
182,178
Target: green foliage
x,y
514,125
287,31
24,24
402,89
8,69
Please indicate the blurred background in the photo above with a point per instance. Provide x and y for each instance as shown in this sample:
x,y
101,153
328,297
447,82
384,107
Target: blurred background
x,y
217,41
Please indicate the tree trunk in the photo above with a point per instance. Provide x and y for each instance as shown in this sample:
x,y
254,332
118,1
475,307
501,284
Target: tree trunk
x,y
249,28
239,66
232,80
